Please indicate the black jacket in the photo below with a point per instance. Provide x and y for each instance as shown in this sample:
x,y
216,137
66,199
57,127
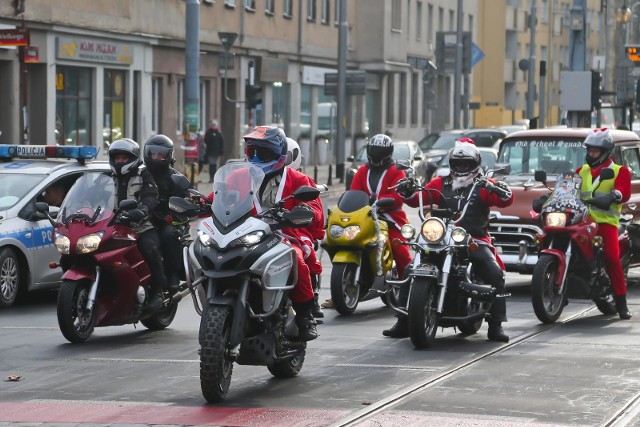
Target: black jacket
x,y
214,141
166,189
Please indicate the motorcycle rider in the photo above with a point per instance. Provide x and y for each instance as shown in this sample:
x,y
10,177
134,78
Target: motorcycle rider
x,y
376,177
599,145
464,164
294,161
266,147
158,159
135,182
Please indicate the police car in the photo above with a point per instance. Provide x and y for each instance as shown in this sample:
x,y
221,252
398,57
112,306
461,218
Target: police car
x,y
26,236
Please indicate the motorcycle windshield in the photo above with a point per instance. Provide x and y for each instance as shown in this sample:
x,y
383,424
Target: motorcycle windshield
x,y
92,196
353,200
236,187
566,196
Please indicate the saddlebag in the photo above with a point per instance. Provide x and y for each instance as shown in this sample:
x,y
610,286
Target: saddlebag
x,y
473,290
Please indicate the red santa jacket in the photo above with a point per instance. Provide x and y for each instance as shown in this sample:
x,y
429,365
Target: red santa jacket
x,y
390,177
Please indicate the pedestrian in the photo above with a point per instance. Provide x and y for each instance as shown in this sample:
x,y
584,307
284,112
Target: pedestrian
x,y
214,143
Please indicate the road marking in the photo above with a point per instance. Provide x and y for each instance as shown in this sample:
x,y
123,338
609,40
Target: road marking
x,y
400,367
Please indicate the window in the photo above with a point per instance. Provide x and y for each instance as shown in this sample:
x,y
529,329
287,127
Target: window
x,y
337,11
396,15
287,10
419,20
114,106
631,161
311,10
430,23
280,106
250,4
73,106
326,11
270,7
156,102
391,81
402,114
415,80
230,3
180,125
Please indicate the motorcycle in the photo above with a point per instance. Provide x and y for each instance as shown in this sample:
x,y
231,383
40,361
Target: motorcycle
x,y
357,242
248,270
571,261
105,279
444,291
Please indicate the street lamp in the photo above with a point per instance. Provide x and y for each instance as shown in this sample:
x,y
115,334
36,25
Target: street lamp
x,y
227,39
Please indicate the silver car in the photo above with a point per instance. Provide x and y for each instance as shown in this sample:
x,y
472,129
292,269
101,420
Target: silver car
x,y
27,174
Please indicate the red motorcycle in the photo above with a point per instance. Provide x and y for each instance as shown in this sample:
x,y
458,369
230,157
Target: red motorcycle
x,y
105,280
571,261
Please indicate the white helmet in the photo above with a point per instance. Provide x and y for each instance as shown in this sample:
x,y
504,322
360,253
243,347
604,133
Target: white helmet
x,y
294,155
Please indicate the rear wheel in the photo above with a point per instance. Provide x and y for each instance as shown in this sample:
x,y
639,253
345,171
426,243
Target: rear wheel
x,y
288,368
216,366
75,321
345,291
470,327
10,277
422,314
161,319
546,300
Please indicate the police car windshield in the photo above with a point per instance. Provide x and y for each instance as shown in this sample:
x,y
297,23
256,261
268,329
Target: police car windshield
x,y
91,191
14,187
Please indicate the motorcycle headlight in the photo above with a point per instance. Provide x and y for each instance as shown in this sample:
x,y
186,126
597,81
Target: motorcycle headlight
x,y
335,231
433,230
205,239
458,235
248,239
351,232
408,231
89,243
62,242
555,219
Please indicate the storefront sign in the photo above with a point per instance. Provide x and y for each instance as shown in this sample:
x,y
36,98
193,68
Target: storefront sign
x,y
315,75
274,70
14,37
31,55
93,50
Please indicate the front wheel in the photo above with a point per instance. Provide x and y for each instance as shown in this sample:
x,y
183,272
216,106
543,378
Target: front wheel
x,y
422,314
76,322
345,291
288,368
216,366
546,300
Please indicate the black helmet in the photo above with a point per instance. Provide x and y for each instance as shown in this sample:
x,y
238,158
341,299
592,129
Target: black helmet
x,y
129,148
602,140
157,152
379,150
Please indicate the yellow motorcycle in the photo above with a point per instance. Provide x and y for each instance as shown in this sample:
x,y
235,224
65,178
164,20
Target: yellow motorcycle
x,y
357,242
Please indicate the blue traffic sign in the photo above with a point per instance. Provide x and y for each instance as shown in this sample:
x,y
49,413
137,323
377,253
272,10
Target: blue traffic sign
x,y
476,54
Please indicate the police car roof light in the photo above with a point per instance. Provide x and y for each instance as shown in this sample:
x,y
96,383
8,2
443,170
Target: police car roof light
x,y
80,153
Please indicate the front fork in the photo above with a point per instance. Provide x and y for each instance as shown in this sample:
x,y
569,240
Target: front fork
x,y
93,290
446,269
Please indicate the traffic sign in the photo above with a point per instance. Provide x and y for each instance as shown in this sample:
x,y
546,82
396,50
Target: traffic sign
x,y
476,54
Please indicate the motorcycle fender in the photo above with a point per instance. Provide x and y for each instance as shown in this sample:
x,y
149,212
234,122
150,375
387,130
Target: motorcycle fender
x,y
238,318
80,273
562,263
346,257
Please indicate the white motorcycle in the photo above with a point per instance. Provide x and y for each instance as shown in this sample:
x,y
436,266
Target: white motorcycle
x,y
247,269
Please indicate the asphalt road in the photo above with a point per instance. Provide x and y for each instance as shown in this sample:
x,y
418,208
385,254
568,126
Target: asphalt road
x,y
582,371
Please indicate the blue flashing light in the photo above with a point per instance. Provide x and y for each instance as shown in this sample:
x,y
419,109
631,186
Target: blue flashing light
x,y
80,153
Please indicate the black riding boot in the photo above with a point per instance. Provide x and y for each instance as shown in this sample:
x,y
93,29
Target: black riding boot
x,y
317,311
155,300
621,307
401,327
304,320
496,333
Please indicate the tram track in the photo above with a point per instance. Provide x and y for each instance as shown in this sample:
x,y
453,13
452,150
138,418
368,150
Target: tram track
x,y
621,418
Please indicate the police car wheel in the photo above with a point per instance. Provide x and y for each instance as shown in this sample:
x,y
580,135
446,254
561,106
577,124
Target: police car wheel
x,y
9,277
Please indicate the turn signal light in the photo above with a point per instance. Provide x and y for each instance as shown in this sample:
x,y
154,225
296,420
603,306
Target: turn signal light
x,y
395,243
473,246
538,239
53,265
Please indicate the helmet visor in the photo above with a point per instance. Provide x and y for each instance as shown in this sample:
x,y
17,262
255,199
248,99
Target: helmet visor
x,y
155,152
258,154
462,165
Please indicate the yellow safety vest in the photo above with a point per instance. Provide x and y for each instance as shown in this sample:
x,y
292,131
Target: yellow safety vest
x,y
611,216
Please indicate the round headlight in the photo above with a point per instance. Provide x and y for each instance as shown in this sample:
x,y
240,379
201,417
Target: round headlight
x,y
433,230
556,219
458,235
62,243
408,231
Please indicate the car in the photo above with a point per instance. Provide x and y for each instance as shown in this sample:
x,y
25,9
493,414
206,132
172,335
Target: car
x,y
26,236
489,137
488,155
402,150
556,151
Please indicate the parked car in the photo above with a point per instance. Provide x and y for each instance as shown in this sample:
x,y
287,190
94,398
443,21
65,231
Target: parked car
x,y
430,140
556,151
489,137
402,150
27,172
489,157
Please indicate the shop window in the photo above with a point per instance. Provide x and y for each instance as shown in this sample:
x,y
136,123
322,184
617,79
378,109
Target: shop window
x,y
73,106
114,106
287,9
280,107
156,102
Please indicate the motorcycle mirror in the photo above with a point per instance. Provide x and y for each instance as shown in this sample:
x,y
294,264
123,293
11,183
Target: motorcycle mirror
x,y
403,165
181,181
537,204
180,205
128,204
306,193
606,173
540,176
503,168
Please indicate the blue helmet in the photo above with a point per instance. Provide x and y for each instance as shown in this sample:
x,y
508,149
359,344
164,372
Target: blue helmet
x,y
266,146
